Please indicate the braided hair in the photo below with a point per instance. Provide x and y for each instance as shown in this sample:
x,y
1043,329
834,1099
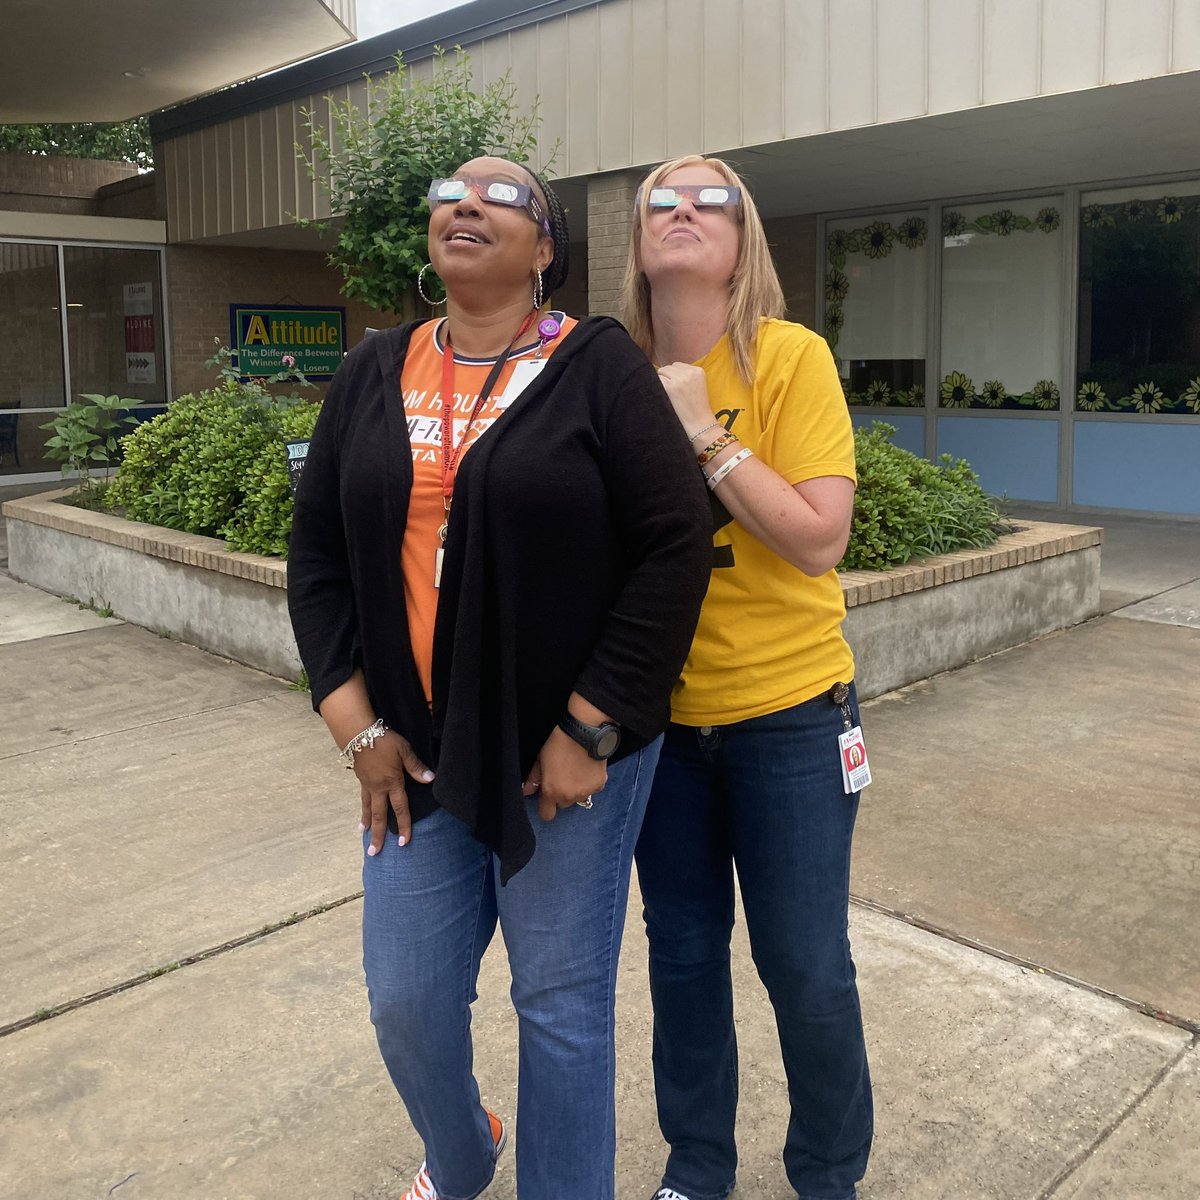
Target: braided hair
x,y
555,275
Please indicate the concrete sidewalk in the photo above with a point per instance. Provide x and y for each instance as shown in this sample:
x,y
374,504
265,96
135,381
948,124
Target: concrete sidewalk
x,y
181,1006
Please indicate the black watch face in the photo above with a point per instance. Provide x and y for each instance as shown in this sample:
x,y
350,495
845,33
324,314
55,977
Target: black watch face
x,y
607,743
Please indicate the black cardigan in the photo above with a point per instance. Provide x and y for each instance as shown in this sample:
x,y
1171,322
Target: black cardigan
x,y
578,554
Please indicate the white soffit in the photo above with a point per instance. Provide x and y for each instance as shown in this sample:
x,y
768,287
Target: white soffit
x,y
1114,132
84,60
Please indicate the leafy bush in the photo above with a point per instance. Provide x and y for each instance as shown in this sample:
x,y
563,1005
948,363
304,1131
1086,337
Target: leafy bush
x,y
83,434
907,507
375,165
263,521
215,463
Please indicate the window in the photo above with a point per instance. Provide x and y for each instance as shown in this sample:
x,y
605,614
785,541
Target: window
x,y
31,358
1139,301
876,272
114,337
1002,305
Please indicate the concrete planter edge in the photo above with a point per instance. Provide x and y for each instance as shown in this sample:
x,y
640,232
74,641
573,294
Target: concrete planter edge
x,y
906,624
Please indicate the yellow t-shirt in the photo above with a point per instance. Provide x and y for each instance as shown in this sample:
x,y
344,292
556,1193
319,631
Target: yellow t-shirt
x,y
770,636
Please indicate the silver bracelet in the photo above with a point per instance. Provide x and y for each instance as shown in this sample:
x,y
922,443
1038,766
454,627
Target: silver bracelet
x,y
724,469
714,425
362,741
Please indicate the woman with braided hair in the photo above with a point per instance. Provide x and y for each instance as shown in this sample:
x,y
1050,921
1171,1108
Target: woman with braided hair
x,y
498,556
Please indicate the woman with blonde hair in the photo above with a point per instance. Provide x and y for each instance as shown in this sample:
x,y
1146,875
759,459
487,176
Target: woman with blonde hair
x,y
751,772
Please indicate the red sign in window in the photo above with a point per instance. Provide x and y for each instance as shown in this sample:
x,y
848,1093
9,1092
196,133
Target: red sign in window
x,y
139,334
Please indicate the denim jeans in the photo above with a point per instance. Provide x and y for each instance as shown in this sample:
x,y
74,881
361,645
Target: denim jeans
x,y
764,795
429,912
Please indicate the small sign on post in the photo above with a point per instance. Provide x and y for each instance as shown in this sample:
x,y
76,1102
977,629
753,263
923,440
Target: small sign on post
x,y
297,452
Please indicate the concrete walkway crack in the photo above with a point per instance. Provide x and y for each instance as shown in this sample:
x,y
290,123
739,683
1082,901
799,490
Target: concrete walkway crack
x,y
1107,1132
115,989
91,737
1174,587
1140,1006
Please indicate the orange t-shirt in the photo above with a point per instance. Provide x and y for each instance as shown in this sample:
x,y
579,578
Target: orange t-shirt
x,y
421,392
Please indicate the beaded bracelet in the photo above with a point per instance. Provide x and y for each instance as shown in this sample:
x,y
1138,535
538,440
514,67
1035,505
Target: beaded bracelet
x,y
724,469
715,447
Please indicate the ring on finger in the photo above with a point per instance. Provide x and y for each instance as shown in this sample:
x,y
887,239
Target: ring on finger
x,y
586,802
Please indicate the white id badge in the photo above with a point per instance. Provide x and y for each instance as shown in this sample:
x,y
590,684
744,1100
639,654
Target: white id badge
x,y
524,373
856,770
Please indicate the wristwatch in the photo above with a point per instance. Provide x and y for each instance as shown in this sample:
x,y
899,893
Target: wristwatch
x,y
600,741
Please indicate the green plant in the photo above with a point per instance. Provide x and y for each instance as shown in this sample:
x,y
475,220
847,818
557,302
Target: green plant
x,y
376,167
256,389
215,462
83,434
263,521
124,141
907,507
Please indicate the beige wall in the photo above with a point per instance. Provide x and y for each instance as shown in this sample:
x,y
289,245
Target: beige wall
x,y
627,83
793,242
203,281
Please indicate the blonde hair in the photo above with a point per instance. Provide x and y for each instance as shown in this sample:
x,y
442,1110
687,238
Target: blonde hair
x,y
754,289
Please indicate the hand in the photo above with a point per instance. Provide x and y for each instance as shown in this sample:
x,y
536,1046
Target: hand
x,y
564,774
687,389
381,772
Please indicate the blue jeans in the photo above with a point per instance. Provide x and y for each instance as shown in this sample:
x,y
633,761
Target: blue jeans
x,y
429,912
764,795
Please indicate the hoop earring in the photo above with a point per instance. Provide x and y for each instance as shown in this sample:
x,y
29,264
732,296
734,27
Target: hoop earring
x,y
421,288
538,295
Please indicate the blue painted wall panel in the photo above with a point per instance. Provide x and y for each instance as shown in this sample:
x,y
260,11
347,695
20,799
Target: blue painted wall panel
x,y
1014,456
910,430
1124,464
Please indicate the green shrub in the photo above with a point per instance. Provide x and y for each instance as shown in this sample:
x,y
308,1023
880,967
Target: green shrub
x,y
908,507
263,521
215,463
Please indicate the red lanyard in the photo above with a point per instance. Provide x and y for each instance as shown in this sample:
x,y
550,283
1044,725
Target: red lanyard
x,y
450,452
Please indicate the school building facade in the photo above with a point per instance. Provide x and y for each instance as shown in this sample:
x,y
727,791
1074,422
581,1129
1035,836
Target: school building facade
x,y
990,208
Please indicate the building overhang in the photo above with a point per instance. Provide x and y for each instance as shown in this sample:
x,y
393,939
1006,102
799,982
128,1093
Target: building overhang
x,y
1097,135
76,60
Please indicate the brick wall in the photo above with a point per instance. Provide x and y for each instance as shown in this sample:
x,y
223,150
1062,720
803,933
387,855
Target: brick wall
x,y
610,224
142,196
49,184
203,281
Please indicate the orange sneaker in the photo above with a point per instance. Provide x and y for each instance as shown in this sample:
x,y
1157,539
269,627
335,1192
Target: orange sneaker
x,y
422,1187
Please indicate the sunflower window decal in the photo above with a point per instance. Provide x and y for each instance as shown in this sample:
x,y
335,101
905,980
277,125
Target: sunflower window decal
x,y
1091,397
1191,395
957,390
1045,394
1146,398
877,239
878,393
1169,210
992,393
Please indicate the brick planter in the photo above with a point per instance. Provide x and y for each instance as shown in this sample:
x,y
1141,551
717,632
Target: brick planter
x,y
905,624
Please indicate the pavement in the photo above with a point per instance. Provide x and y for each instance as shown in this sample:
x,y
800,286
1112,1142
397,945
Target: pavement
x,y
182,1011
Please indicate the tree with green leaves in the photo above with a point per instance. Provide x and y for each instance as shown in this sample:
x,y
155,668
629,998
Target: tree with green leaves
x,y
376,166
125,141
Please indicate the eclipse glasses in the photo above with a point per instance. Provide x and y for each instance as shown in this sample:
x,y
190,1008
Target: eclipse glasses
x,y
491,191
702,195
